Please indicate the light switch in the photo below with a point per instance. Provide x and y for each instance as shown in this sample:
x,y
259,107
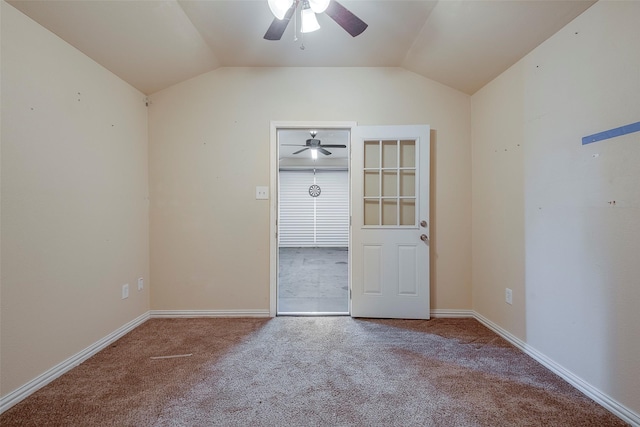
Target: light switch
x,y
262,193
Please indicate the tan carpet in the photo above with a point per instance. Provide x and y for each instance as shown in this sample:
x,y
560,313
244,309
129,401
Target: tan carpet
x,y
331,371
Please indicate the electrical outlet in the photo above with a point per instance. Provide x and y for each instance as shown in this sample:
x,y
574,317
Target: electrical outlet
x,y
262,193
125,291
508,296
140,283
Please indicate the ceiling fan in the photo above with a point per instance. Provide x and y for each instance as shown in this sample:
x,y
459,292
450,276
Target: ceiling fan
x,y
283,10
315,145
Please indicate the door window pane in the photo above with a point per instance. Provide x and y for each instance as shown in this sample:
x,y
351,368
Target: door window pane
x,y
407,154
389,154
407,212
408,183
390,183
371,212
371,183
389,212
372,154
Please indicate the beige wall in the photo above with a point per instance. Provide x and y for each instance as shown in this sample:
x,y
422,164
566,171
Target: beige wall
x,y
573,255
498,201
74,223
209,148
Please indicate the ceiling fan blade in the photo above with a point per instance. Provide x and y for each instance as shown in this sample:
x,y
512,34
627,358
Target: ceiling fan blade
x,y
277,27
347,20
300,151
323,151
334,145
294,145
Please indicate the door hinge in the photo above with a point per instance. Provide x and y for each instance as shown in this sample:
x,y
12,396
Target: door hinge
x,y
349,293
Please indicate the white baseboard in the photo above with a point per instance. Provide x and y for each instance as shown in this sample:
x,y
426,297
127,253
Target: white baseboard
x,y
45,378
452,314
158,314
590,391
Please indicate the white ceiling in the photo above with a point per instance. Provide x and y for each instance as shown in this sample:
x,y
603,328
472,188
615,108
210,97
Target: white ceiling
x,y
153,44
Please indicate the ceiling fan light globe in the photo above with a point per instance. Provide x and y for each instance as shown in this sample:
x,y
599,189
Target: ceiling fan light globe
x,y
314,154
319,6
279,7
309,21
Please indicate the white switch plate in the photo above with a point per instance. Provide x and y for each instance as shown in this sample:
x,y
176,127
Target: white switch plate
x,y
140,283
508,296
125,291
262,193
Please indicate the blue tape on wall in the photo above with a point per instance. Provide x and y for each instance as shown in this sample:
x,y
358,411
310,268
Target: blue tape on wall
x,y
611,133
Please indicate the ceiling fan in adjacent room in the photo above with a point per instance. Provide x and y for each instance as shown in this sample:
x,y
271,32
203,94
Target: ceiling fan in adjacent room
x,y
315,145
284,10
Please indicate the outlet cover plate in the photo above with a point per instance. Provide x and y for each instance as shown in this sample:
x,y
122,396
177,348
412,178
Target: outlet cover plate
x,y
262,193
508,296
125,291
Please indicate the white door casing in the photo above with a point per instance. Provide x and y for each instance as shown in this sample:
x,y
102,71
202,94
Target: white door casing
x,y
390,221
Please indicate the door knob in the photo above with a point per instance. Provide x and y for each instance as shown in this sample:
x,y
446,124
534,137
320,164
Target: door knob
x,y
423,223
424,238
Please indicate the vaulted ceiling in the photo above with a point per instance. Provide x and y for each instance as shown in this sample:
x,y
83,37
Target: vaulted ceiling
x,y
153,44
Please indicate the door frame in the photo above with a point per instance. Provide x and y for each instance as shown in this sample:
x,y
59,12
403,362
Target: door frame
x,y
273,191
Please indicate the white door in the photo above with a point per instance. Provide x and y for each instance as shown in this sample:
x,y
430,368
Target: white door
x,y
390,221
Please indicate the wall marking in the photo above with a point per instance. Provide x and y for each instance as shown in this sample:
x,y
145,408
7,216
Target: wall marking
x,y
611,133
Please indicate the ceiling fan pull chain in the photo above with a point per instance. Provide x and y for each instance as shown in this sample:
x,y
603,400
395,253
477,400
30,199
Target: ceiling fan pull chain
x,y
301,34
295,21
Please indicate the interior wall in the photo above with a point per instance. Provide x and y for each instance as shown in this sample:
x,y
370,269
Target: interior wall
x,y
74,224
576,250
498,201
209,149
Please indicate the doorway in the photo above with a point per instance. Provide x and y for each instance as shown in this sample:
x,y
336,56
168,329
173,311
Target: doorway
x,y
389,222
313,221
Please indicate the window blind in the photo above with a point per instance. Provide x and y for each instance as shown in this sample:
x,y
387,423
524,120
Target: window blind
x,y
306,221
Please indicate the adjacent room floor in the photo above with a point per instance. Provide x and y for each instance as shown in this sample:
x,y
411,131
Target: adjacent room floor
x,y
313,280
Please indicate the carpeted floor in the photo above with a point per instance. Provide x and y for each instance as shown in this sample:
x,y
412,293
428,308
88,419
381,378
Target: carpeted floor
x,y
309,371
